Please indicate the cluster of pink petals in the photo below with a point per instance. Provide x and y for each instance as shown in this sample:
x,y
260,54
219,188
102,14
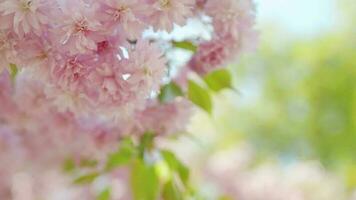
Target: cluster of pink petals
x,y
167,11
214,54
34,136
32,129
233,22
84,52
83,63
92,56
25,16
164,119
43,134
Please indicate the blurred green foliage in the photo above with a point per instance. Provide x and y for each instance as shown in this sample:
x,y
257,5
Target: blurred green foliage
x,y
303,99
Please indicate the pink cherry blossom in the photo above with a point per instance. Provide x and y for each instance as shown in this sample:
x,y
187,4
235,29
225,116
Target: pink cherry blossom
x,y
233,34
166,13
72,73
27,15
79,27
126,84
66,134
145,68
127,15
214,54
231,16
84,74
37,55
164,119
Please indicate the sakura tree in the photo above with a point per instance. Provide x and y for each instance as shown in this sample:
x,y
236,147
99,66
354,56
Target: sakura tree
x,y
88,86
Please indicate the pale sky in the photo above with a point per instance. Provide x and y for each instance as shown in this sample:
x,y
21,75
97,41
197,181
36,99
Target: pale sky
x,y
302,17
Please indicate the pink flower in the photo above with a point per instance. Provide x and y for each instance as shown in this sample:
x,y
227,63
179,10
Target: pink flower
x,y
46,135
124,85
87,76
214,54
32,91
231,16
109,50
110,85
127,15
113,85
65,100
79,27
233,22
73,73
164,119
145,68
111,94
37,55
27,15
166,13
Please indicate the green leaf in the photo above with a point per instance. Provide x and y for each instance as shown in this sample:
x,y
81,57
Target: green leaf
x,y
185,45
89,163
104,195
69,165
13,70
176,165
171,192
87,178
122,156
163,171
183,172
118,159
144,182
169,92
146,143
200,96
219,80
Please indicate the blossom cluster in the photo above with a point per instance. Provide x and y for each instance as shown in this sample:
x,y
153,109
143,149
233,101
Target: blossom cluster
x,y
76,76
34,133
92,56
232,22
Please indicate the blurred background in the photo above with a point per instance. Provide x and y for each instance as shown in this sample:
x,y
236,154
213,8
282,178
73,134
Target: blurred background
x,y
289,129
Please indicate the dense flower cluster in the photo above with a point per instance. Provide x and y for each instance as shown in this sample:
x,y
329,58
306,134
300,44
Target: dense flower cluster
x,y
76,76
232,22
92,56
